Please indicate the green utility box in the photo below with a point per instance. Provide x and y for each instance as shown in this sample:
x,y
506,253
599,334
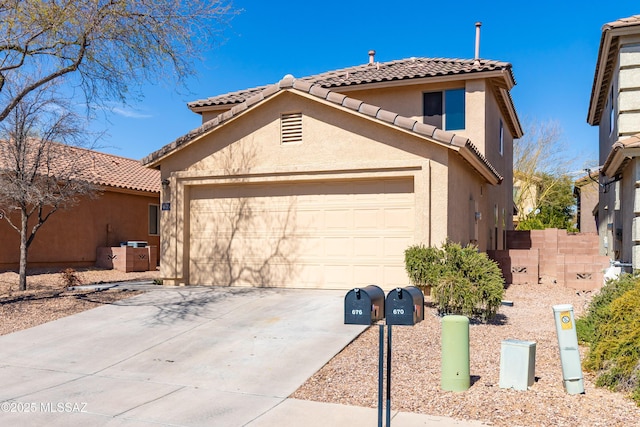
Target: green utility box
x,y
455,374
517,364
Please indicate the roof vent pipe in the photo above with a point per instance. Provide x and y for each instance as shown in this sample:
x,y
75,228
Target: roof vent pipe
x,y
477,55
372,54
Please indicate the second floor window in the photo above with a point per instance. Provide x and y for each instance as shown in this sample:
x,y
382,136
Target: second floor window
x,y
501,139
444,109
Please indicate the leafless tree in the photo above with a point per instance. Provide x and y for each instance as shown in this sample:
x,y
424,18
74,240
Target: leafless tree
x,y
42,168
541,151
104,49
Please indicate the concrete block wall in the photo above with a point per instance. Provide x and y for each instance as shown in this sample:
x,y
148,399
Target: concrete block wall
x,y
570,260
519,266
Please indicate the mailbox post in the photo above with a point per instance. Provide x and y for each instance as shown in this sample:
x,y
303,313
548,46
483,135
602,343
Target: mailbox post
x,y
365,306
403,306
368,305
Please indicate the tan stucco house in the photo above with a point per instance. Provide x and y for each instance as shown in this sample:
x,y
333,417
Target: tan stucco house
x,y
586,191
125,208
615,108
324,181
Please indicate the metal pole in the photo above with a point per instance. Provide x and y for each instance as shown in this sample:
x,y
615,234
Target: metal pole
x,y
380,373
388,375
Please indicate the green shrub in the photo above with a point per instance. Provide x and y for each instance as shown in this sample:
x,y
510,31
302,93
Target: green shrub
x,y
463,281
612,329
599,307
424,266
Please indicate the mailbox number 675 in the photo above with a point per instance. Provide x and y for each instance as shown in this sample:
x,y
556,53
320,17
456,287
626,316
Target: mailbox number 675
x,y
356,312
398,311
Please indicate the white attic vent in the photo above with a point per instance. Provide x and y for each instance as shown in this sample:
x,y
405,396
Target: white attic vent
x,y
291,128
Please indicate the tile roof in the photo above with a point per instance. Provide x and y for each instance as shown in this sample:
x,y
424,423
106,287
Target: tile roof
x,y
101,168
403,69
620,154
607,56
462,144
623,22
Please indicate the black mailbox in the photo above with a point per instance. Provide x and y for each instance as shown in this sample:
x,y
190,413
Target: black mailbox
x,y
364,306
404,306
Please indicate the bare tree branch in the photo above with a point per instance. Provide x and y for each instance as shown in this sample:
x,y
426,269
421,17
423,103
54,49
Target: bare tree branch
x,y
106,47
41,168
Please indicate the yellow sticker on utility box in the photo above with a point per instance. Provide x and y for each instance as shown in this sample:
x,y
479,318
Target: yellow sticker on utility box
x,y
565,320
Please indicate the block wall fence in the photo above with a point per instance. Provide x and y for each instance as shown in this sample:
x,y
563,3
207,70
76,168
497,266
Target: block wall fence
x,y
552,256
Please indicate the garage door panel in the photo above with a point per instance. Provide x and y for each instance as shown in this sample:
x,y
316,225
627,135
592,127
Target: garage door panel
x,y
367,274
396,218
337,246
337,276
329,234
367,247
338,219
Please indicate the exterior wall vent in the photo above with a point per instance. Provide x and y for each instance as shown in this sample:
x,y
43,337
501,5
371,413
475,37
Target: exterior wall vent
x,y
291,128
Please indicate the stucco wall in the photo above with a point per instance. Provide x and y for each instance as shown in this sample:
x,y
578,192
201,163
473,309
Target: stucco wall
x,y
466,194
588,201
71,237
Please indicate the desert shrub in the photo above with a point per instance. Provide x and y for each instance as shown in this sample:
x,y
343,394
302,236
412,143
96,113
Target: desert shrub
x,y
424,265
600,306
462,280
612,330
70,278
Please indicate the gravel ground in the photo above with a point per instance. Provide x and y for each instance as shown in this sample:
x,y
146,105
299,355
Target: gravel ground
x,y
47,299
351,378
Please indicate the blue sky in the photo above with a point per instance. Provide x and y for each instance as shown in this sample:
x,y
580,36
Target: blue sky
x,y
553,46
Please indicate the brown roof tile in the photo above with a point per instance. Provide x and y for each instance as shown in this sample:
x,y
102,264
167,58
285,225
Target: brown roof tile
x,y
403,69
103,169
623,22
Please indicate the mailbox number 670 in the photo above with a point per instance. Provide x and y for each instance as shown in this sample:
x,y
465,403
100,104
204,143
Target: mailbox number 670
x,y
398,311
356,312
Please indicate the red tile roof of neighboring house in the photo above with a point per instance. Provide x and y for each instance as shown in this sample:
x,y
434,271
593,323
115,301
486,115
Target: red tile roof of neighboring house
x,y
100,168
607,59
121,172
403,69
461,144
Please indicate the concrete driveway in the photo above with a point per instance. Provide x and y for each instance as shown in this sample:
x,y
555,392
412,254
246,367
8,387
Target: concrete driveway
x,y
171,356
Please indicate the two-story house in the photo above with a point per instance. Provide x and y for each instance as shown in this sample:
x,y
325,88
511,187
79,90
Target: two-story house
x,y
323,181
615,108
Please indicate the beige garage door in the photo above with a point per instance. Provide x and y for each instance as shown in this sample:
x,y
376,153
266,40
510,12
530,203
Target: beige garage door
x,y
330,234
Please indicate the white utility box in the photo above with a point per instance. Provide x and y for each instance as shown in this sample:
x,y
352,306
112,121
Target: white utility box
x,y
517,364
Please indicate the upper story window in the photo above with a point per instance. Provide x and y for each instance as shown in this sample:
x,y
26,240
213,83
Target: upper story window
x,y
445,109
501,142
612,111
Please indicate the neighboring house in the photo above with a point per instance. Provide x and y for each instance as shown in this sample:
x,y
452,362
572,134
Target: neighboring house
x,y
615,108
525,196
324,181
125,209
586,192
